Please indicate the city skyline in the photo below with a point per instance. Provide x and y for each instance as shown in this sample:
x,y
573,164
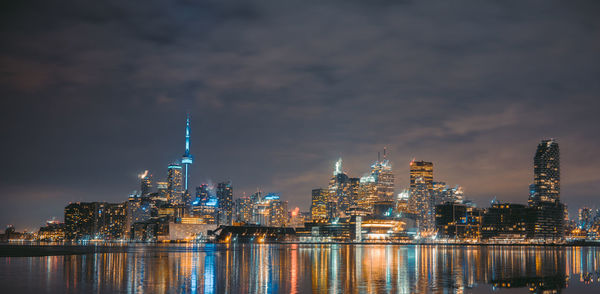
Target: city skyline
x,y
83,120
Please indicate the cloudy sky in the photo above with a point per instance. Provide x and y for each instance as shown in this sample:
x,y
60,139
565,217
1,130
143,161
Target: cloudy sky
x,y
94,93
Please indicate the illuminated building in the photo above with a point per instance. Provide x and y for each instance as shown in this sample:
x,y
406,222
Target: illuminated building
x,y
187,159
145,183
95,220
175,184
243,210
381,171
138,209
505,221
269,210
367,194
206,204
53,231
586,218
162,189
421,203
340,197
225,203
455,220
402,202
547,213
111,221
546,173
421,200
80,220
442,193
154,229
318,208
278,213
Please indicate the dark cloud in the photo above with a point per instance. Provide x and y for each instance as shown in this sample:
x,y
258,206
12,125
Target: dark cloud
x,y
93,93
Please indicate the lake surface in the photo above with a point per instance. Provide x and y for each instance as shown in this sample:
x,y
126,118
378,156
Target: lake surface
x,y
297,268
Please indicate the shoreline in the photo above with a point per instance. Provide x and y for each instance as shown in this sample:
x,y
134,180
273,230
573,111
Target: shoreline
x,y
40,250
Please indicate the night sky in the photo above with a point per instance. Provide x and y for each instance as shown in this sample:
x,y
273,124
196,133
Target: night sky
x,y
95,92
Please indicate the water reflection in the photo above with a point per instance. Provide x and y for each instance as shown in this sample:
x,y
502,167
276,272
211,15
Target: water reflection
x,y
309,268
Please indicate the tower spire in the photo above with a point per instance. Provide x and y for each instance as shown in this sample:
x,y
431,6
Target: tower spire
x,y
187,159
187,135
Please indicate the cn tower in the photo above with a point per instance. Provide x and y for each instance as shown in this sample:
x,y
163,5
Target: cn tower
x,y
187,159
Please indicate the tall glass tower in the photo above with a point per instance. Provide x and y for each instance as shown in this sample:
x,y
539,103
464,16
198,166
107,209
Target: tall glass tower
x,y
546,173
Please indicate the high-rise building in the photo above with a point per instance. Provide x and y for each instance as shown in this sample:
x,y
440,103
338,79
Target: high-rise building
x,y
206,204
187,159
586,218
421,201
547,213
339,192
95,220
175,187
367,194
80,220
243,210
318,208
278,213
145,183
546,173
381,171
442,193
162,189
225,200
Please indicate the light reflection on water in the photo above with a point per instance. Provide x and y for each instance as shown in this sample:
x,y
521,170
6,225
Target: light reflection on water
x,y
309,268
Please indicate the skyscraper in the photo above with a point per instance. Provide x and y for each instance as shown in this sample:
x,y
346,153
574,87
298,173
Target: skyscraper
x,y
339,192
187,159
421,201
225,200
145,183
546,173
174,184
384,178
547,213
318,208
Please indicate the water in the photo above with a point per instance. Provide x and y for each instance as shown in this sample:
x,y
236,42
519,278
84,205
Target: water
x,y
299,268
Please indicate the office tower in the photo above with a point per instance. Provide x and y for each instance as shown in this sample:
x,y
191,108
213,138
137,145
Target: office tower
x,y
367,194
586,218
243,210
138,209
175,184
225,203
402,202
187,159
278,213
421,200
318,208
421,169
442,193
206,204
162,188
339,192
145,183
381,171
547,213
354,191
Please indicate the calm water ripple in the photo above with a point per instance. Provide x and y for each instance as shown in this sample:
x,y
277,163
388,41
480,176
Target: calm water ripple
x,y
299,268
